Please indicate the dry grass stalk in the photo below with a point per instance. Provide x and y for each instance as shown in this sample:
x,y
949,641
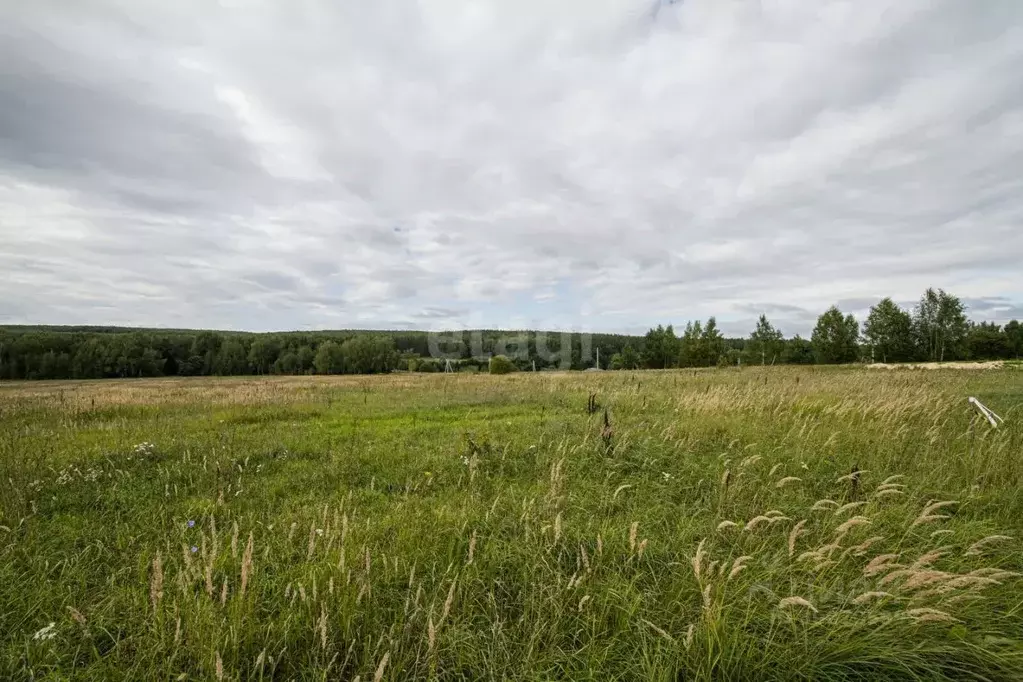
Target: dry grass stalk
x,y
234,541
448,602
246,565
824,505
926,615
707,602
219,667
738,565
852,523
688,641
311,549
929,558
750,461
935,506
756,521
880,564
871,596
321,626
848,507
979,546
379,674
786,481
658,630
794,534
472,549
208,572
156,582
853,476
930,518
633,530
925,578
698,561
724,525
223,593
861,549
186,554
582,603
557,528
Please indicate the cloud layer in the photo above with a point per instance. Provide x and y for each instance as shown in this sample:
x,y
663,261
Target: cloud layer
x,y
606,165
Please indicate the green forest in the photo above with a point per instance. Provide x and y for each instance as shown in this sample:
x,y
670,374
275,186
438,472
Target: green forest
x,y
935,329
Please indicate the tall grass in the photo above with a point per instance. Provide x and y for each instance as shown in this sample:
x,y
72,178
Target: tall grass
x,y
758,524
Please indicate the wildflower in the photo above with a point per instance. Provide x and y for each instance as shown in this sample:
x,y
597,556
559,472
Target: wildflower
x,y
191,523
194,549
49,632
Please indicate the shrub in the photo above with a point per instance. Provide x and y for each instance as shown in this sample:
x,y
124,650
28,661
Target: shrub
x,y
500,364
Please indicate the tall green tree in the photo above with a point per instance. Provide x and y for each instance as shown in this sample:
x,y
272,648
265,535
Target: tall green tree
x,y
329,358
712,343
369,354
263,354
1014,333
305,359
232,359
834,337
690,353
630,358
765,340
940,326
987,341
660,348
888,332
797,351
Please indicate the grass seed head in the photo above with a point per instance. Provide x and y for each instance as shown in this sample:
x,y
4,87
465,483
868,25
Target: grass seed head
x,y
156,582
789,602
794,534
867,597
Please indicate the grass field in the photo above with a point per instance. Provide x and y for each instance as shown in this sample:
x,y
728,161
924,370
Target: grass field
x,y
476,527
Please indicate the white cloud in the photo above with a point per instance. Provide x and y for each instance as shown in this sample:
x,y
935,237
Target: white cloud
x,y
609,164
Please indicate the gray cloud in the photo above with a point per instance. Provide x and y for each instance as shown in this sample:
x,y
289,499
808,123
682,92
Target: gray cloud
x,y
592,164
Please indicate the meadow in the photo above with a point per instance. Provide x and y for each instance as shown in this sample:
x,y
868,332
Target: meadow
x,y
757,524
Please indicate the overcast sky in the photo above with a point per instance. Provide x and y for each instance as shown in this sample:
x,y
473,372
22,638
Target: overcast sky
x,y
602,164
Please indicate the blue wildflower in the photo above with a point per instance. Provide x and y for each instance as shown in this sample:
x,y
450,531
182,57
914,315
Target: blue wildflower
x,y
191,523
194,549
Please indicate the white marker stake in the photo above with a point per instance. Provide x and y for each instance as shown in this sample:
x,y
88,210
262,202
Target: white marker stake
x,y
991,416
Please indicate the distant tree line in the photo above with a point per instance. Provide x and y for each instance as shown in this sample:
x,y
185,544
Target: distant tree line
x,y
936,329
101,352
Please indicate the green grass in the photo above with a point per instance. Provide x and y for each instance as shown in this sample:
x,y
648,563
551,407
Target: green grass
x,y
488,512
